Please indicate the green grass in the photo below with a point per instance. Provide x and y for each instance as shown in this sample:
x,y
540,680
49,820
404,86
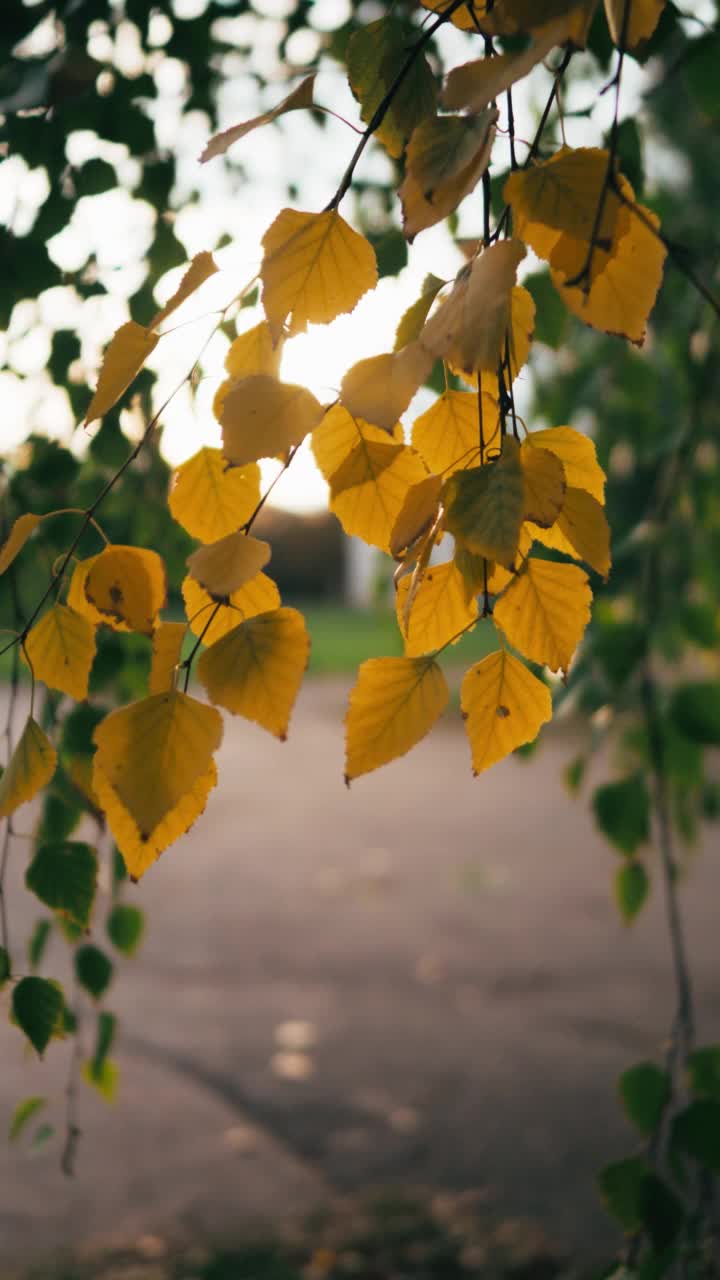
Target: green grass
x,y
342,638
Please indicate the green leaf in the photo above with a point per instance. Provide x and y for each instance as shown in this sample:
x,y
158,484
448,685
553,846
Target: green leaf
x,y
38,942
701,74
645,1090
704,1071
106,1028
620,1186
375,56
102,1076
64,877
93,969
697,1131
42,1135
23,1113
551,314
37,1005
695,709
125,927
574,773
631,889
622,811
661,1212
5,969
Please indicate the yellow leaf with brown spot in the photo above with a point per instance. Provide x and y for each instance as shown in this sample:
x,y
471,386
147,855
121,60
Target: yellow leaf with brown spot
x,y
314,269
22,529
260,595
152,753
417,514
581,531
577,454
262,418
380,388
484,506
393,705
504,706
473,326
257,668
222,567
559,199
543,485
210,498
369,488
127,585
200,269
439,610
444,161
301,97
31,765
447,435
167,643
129,348
60,649
642,20
78,601
339,433
544,612
140,852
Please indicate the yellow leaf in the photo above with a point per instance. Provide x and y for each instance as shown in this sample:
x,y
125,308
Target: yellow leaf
x,y
152,752
503,705
520,330
167,645
30,767
560,197
473,85
394,703
257,668
260,595
582,531
338,434
543,485
22,528
474,572
253,352
369,488
210,498
545,611
301,96
445,159
439,610
223,566
417,513
78,601
380,388
510,17
447,435
470,329
414,318
315,268
200,269
577,454
125,356
127,585
138,851
262,418
642,20
484,506
61,649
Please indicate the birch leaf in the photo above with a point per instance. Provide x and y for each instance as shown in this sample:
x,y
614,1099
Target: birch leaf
x,y
445,159
380,388
393,705
470,329
543,485
474,85
368,490
577,454
167,643
642,20
544,612
338,434
140,851
127,585
581,531
300,98
260,595
200,269
447,435
262,418
210,498
21,530
417,514
126,354
484,506
257,668
503,705
222,567
439,610
31,765
375,56
61,649
414,318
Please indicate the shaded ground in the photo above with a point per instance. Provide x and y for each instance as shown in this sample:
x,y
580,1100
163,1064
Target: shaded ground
x,y
421,980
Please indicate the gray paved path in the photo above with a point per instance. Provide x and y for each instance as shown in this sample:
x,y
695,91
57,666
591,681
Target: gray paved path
x,y
422,979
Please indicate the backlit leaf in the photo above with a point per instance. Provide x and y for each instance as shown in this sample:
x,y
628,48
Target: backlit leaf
x,y
260,595
314,269
167,645
577,454
484,506
447,435
416,515
253,352
581,531
37,1005
509,17
470,329
642,20
557,201
129,348
301,97
543,485
78,601
262,418
209,498
222,567
339,433
394,703
414,318
504,706
127,584
439,610
153,751
369,488
64,877
200,269
22,528
445,159
473,85
544,612
380,388
61,649
31,765
257,668
375,56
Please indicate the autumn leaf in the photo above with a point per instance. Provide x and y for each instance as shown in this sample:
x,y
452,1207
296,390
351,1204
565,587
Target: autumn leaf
x,y
581,531
544,612
642,20
543,485
473,85
222,567
440,609
60,649
254,352
260,595
338,434
470,329
376,55
22,529
314,269
257,668
127,585
503,705
558,200
200,269
484,506
167,645
300,98
577,454
262,418
416,515
445,159
125,356
380,388
31,765
394,704
369,488
210,498
447,435
152,752
510,17
412,321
